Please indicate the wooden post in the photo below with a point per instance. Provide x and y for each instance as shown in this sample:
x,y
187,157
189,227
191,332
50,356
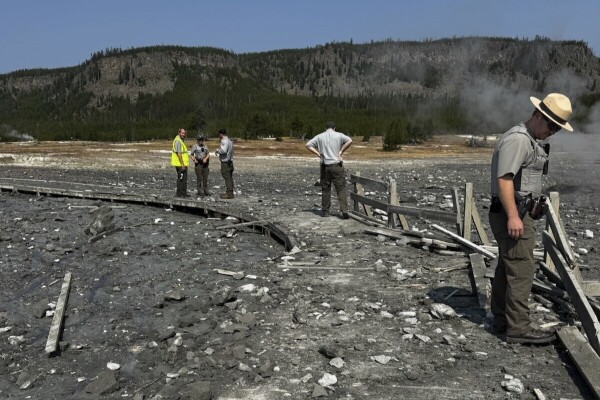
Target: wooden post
x,y
555,204
361,191
468,207
456,206
59,313
586,314
393,200
561,242
355,190
478,225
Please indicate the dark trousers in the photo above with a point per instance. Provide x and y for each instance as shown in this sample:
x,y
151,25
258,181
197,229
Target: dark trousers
x,y
181,180
514,275
227,174
202,178
334,174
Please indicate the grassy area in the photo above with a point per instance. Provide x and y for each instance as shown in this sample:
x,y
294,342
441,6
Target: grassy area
x,y
438,146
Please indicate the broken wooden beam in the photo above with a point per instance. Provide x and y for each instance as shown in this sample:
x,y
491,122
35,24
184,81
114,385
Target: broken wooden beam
x,y
586,314
414,239
468,208
456,208
549,289
365,219
465,242
559,236
555,204
478,225
241,224
583,355
59,313
393,199
479,282
371,183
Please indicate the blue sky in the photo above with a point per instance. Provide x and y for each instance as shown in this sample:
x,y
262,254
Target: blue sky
x,y
48,34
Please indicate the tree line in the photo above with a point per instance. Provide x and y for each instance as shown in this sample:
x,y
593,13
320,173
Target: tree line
x,y
252,101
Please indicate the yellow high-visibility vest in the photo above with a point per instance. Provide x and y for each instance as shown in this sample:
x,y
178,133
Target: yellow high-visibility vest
x,y
184,154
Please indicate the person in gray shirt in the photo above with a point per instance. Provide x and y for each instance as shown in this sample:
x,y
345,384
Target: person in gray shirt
x,y
329,147
518,164
225,154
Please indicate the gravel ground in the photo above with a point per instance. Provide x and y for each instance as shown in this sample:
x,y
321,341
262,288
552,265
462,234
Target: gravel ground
x,y
347,316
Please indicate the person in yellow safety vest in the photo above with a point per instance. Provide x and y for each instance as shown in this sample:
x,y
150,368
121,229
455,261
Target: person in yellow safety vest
x,y
180,160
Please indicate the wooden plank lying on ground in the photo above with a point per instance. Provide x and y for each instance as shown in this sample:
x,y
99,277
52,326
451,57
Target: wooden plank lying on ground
x,y
249,223
372,184
480,282
414,239
551,273
465,242
549,289
307,268
537,254
59,313
586,314
584,357
366,219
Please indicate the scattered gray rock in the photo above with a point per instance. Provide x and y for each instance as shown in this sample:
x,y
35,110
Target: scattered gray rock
x,y
201,390
222,295
104,383
337,362
328,379
331,352
38,310
319,391
102,221
174,295
513,385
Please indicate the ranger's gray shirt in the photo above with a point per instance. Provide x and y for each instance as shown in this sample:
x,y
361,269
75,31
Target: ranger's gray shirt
x,y
225,150
329,144
517,153
199,152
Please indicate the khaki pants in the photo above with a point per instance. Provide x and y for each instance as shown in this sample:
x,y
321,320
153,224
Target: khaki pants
x,y
514,275
227,174
334,174
201,178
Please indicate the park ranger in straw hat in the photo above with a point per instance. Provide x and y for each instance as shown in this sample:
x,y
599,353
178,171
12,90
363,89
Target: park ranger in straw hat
x,y
518,164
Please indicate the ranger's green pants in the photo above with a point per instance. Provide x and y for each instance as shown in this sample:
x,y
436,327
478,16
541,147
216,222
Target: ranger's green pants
x,y
514,275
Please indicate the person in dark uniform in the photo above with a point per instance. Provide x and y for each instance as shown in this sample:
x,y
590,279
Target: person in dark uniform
x,y
200,156
518,163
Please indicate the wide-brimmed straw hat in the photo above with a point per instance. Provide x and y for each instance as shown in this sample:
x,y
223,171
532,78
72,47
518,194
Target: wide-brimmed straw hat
x,y
557,107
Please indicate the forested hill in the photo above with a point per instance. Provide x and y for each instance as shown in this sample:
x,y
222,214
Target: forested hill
x,y
418,88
